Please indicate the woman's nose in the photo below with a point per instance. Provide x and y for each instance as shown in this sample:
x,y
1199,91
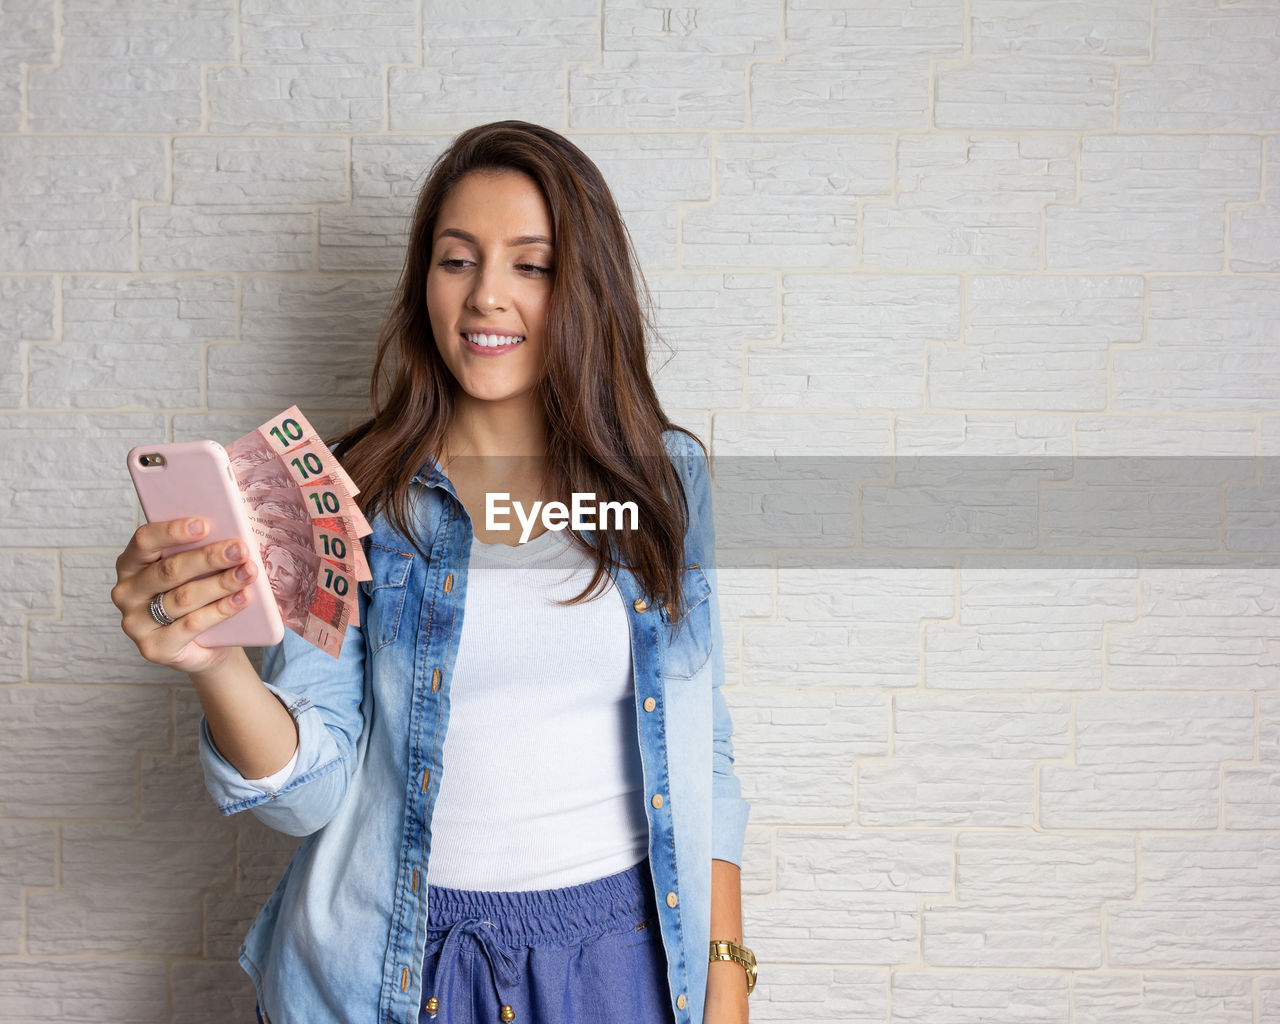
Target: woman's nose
x,y
488,293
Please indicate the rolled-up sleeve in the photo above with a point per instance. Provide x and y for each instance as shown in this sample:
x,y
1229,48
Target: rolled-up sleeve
x,y
729,810
324,697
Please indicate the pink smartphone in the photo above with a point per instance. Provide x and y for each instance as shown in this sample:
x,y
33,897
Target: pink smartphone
x,y
180,479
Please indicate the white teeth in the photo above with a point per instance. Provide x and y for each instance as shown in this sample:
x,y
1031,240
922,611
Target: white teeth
x,y
492,340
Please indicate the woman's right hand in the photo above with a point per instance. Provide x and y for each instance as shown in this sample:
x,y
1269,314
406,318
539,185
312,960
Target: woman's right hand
x,y
194,604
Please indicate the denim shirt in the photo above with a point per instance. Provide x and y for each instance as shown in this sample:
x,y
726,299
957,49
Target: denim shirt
x,y
344,932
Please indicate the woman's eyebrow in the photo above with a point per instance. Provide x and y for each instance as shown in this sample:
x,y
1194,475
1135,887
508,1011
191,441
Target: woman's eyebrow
x,y
518,240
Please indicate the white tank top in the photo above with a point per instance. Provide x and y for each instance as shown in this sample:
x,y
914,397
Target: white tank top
x,y
541,783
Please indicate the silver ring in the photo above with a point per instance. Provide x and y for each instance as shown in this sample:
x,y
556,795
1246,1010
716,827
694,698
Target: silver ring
x,y
158,613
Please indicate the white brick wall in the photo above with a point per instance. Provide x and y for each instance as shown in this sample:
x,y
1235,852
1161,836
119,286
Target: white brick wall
x,y
1012,740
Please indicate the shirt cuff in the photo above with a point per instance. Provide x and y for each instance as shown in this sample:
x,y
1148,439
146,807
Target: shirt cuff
x,y
316,753
729,817
272,783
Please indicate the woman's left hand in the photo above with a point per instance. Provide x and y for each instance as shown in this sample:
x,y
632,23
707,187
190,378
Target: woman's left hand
x,y
726,994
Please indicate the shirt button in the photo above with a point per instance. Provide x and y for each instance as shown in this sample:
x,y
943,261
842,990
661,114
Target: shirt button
x,y
680,1001
657,800
671,899
650,703
638,604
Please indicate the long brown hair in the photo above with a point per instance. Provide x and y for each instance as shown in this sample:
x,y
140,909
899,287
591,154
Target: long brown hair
x,y
604,420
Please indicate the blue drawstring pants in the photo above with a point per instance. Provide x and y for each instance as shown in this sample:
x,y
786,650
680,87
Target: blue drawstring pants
x,y
583,954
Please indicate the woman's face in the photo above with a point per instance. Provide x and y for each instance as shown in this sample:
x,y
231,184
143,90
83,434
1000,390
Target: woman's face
x,y
489,282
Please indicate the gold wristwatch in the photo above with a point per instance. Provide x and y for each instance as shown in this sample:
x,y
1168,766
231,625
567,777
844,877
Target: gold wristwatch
x,y
722,949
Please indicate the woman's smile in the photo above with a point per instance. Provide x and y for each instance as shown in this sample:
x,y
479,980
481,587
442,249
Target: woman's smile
x,y
491,342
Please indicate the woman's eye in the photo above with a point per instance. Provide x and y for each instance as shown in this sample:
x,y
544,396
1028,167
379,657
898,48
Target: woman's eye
x,y
534,268
455,263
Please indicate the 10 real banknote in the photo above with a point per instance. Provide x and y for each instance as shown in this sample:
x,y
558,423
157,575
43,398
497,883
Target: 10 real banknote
x,y
303,514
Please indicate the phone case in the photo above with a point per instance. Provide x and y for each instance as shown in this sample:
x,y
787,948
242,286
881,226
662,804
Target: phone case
x,y
196,480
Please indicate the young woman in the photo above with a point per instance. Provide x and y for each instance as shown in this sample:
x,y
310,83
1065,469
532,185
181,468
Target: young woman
x,y
516,783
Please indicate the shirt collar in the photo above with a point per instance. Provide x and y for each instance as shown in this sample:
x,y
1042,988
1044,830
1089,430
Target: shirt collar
x,y
431,475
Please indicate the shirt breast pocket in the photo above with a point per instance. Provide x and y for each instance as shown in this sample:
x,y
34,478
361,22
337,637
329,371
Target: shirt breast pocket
x,y
688,639
385,593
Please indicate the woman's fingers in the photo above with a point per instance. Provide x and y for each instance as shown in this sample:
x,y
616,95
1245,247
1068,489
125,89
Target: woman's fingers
x,y
143,550
198,593
175,571
184,598
150,539
198,588
165,644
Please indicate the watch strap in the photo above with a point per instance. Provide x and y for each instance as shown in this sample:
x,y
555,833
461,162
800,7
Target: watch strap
x,y
724,949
